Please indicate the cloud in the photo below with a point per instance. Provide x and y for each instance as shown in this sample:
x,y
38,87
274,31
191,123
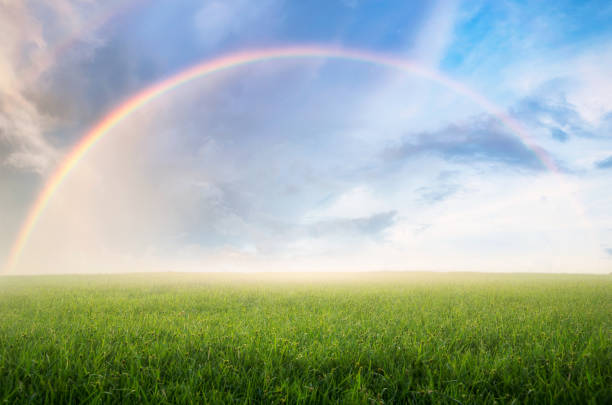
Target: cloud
x,y
605,163
21,125
32,39
559,134
358,201
548,108
371,225
478,140
434,194
21,134
436,33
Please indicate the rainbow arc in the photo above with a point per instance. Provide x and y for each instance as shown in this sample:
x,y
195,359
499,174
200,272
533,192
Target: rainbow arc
x,y
209,67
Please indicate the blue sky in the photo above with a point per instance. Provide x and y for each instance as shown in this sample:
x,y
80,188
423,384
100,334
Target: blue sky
x,y
310,164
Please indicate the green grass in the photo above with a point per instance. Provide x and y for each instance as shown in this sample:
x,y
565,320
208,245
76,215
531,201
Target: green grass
x,y
355,338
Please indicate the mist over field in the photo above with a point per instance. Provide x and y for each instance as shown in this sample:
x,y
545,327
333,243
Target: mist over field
x,y
306,338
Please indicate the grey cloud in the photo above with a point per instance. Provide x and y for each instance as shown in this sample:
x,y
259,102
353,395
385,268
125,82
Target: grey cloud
x,y
604,164
21,135
559,134
371,225
485,140
273,235
433,194
20,123
32,36
480,140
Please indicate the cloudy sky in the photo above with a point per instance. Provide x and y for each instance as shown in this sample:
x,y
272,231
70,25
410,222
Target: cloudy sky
x,y
309,163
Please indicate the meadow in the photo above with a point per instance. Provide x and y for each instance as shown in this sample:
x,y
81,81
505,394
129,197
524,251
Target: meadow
x,y
273,338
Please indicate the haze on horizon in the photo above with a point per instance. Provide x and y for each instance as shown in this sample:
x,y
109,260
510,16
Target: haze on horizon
x,y
309,164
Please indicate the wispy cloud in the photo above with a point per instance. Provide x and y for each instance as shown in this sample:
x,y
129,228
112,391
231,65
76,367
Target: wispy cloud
x,y
435,33
371,225
221,20
437,193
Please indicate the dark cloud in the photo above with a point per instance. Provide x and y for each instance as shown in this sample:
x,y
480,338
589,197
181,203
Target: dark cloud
x,y
604,164
480,140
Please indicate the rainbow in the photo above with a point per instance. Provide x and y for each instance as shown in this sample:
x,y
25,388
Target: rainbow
x,y
134,103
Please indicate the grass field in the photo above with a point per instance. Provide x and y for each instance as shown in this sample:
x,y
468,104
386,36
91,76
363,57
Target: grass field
x,y
353,338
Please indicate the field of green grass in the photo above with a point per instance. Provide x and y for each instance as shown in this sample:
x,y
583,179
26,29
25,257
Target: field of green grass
x,y
352,338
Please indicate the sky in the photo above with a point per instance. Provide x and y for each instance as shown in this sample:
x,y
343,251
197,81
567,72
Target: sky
x,y
309,164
